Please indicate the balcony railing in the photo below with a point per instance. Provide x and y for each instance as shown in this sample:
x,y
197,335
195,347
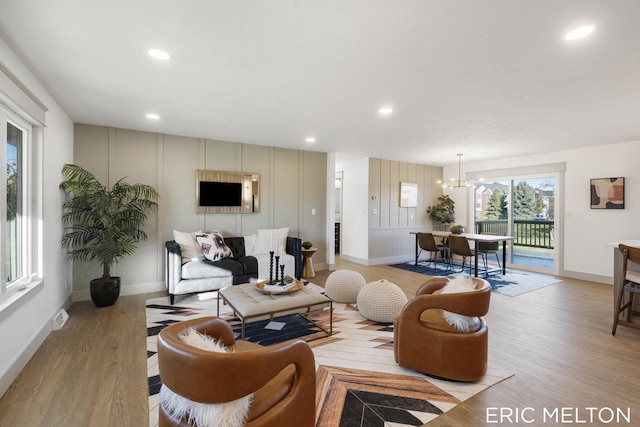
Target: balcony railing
x,y
530,233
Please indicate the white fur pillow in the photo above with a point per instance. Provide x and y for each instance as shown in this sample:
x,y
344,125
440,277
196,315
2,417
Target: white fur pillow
x,y
188,246
457,285
228,414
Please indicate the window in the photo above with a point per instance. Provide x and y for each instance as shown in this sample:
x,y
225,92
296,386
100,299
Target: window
x,y
14,245
22,125
525,207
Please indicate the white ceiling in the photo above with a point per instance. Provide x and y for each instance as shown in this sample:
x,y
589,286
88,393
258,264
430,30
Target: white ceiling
x,y
484,78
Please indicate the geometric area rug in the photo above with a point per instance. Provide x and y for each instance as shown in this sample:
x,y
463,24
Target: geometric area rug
x,y
358,382
512,283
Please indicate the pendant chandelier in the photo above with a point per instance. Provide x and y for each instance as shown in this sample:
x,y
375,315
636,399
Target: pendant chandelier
x,y
460,183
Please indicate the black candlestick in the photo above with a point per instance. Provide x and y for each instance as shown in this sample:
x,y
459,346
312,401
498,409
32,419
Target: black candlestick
x,y
282,275
277,263
271,267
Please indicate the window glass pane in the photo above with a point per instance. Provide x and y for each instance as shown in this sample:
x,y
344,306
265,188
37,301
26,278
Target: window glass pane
x,y
13,261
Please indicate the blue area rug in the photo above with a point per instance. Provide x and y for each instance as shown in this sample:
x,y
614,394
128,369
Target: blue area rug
x,y
513,283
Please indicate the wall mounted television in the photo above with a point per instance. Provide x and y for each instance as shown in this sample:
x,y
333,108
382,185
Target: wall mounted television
x,y
220,193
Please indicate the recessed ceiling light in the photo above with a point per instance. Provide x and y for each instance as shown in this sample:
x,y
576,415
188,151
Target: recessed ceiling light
x,y
153,116
579,32
385,110
159,54
310,139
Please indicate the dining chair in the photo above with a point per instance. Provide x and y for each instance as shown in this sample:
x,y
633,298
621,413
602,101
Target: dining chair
x,y
459,245
427,242
630,283
486,248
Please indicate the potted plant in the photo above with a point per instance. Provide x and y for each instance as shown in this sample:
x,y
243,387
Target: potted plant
x,y
103,225
443,211
307,245
457,229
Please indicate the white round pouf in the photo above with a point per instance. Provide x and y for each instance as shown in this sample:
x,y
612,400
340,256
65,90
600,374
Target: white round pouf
x,y
381,301
344,285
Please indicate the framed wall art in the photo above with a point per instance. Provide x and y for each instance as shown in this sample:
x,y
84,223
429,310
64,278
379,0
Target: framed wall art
x,y
607,193
408,194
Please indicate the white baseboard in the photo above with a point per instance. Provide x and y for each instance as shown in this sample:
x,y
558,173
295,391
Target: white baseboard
x,y
357,260
598,278
377,261
8,376
132,289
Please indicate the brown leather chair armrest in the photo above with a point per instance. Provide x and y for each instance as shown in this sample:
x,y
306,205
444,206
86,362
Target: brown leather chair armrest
x,y
248,371
472,303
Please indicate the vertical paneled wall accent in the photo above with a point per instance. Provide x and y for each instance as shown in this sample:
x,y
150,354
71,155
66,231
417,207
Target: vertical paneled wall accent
x,y
314,201
286,191
390,224
169,163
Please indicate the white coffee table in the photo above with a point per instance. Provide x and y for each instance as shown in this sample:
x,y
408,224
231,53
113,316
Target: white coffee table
x,y
249,303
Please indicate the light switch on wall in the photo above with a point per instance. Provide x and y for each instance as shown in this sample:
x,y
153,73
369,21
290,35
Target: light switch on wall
x,y
375,211
313,211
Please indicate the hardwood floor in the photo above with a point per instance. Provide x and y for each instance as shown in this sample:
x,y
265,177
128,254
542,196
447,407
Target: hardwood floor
x,y
556,340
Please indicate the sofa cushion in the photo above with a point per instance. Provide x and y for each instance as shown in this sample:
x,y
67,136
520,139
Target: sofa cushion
x,y
249,265
236,244
188,246
203,269
213,246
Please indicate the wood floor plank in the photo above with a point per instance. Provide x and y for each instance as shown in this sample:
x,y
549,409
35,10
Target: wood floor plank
x,y
557,340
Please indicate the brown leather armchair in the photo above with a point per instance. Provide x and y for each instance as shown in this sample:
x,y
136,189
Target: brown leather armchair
x,y
282,377
425,342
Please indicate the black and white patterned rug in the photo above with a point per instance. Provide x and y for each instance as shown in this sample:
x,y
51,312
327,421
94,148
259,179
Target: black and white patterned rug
x,y
355,366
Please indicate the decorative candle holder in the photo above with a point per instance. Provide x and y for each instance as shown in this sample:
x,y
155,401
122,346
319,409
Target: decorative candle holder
x,y
271,267
282,275
277,264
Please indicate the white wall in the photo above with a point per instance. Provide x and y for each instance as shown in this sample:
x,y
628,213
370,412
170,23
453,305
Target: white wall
x,y
375,229
24,330
586,231
355,220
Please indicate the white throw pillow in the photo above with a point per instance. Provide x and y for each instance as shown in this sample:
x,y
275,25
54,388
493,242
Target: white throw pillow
x,y
274,239
228,414
250,244
190,249
459,284
213,246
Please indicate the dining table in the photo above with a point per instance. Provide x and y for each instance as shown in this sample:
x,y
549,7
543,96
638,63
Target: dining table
x,y
476,238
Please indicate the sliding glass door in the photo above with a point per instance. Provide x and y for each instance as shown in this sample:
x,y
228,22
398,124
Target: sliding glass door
x,y
523,207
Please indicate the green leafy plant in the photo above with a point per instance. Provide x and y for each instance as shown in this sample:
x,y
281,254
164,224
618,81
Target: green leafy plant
x,y
457,228
307,245
102,224
444,211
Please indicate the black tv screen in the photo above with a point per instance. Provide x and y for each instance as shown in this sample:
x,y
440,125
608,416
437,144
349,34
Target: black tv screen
x,y
220,193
